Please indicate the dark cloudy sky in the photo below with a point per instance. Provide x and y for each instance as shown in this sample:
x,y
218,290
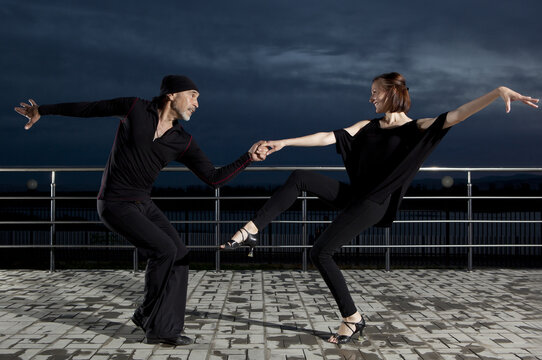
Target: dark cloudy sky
x,y
270,69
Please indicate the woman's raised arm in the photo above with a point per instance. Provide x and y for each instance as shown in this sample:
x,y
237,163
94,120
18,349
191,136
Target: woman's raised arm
x,y
472,107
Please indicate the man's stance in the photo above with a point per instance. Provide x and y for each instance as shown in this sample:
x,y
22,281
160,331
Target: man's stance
x,y
148,138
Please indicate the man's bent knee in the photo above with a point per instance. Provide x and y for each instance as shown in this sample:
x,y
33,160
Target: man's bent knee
x,y
318,256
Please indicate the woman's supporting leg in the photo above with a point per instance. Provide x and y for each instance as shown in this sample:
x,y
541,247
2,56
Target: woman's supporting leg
x,y
356,217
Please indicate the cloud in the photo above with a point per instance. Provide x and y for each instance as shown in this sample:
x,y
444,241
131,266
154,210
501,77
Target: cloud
x,y
267,69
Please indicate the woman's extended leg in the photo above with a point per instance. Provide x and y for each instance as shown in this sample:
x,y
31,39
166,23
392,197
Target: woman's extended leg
x,y
328,189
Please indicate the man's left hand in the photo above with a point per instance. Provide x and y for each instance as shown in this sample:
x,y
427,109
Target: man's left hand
x,y
258,152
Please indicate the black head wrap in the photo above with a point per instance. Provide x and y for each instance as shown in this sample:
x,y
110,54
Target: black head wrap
x,y
176,83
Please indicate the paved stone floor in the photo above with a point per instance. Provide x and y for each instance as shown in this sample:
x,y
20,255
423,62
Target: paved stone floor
x,y
411,314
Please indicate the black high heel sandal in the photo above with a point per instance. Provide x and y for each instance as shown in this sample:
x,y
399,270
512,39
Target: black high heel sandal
x,y
358,327
250,240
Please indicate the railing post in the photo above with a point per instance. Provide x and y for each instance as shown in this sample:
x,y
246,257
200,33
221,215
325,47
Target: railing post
x,y
304,230
387,249
52,229
136,260
217,229
469,226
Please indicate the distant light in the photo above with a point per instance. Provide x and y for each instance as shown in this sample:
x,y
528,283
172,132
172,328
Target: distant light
x,y
32,184
447,181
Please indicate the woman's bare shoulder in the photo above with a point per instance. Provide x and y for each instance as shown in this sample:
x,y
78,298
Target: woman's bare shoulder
x,y
425,123
354,129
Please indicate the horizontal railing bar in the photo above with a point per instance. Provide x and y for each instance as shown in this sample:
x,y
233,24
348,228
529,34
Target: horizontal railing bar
x,y
276,168
267,197
153,198
67,246
278,246
60,222
471,197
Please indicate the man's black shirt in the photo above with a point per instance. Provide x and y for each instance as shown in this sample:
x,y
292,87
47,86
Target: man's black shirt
x,y
136,159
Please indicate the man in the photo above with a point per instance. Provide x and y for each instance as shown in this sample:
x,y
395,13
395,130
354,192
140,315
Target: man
x,y
148,138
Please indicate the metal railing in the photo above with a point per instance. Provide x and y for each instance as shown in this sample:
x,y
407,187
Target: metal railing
x,y
53,171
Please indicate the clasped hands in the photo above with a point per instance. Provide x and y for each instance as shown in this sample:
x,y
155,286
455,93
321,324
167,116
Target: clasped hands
x,y
260,150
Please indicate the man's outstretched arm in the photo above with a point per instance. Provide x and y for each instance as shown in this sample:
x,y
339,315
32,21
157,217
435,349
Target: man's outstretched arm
x,y
196,160
116,107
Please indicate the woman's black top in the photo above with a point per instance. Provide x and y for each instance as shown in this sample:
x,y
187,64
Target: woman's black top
x,y
383,162
136,159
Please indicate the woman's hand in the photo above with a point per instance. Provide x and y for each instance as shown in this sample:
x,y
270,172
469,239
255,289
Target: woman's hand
x,y
509,95
273,145
30,111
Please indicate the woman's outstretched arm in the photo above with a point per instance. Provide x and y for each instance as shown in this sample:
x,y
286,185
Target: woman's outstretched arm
x,y
317,139
472,107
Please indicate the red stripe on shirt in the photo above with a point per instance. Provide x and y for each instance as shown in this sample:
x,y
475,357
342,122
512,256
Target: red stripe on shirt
x,y
187,146
129,111
233,173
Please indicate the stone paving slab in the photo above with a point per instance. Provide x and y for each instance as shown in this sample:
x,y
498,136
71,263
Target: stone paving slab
x,y
411,314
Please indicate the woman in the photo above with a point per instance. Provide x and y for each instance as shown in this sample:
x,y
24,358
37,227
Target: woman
x,y
381,157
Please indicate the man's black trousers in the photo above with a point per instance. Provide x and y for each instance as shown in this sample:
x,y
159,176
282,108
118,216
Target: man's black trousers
x,y
166,277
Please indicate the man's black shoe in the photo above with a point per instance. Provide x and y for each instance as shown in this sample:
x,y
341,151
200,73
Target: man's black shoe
x,y
180,340
139,320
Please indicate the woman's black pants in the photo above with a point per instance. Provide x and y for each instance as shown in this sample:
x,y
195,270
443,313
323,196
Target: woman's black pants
x,y
166,277
357,214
